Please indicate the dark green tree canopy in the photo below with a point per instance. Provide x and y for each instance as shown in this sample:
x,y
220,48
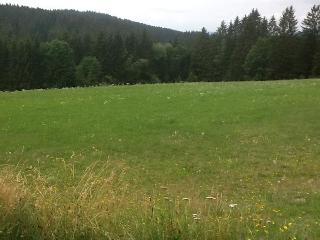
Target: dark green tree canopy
x,y
273,27
45,49
60,66
311,24
288,22
89,71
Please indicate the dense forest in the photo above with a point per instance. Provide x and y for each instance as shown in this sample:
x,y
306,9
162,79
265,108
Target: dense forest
x,y
64,48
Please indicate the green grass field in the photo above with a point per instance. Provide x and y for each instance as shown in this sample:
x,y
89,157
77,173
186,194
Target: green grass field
x,y
179,161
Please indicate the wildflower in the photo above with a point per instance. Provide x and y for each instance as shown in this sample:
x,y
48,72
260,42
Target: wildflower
x,y
233,205
195,217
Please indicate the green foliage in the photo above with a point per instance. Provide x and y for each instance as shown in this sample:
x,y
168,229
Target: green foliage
x,y
89,71
311,24
202,56
311,37
257,64
273,27
138,71
45,55
316,65
59,64
288,22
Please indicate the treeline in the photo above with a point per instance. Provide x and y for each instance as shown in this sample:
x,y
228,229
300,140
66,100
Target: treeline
x,y
108,59
260,49
251,48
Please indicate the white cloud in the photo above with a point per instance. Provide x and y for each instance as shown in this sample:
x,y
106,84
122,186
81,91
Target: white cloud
x,y
177,14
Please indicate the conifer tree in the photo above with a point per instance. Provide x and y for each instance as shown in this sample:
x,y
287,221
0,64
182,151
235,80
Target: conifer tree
x,y
288,22
311,24
201,59
273,28
311,41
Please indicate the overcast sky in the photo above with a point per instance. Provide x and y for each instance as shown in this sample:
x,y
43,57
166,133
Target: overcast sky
x,y
176,14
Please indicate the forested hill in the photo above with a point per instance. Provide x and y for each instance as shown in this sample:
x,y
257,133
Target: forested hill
x,y
63,48
21,22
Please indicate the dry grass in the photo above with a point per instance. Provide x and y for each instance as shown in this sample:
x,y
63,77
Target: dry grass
x,y
101,205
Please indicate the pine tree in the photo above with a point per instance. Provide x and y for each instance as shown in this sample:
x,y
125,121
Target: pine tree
x,y
145,46
249,32
131,44
23,65
12,65
311,24
4,52
288,22
316,64
100,51
201,57
116,58
222,30
311,35
264,27
273,28
257,64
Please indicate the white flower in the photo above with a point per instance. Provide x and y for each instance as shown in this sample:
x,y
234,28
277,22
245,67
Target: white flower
x,y
233,205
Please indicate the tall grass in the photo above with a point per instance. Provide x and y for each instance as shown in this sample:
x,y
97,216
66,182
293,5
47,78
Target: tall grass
x,y
101,205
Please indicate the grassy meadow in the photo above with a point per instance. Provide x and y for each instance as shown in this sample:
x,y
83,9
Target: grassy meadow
x,y
176,161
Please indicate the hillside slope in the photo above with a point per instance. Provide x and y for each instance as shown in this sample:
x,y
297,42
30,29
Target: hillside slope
x,y
20,21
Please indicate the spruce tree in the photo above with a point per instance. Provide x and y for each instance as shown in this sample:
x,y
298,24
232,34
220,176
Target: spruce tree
x,y
288,22
273,28
201,57
316,64
311,40
311,24
4,52
257,64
